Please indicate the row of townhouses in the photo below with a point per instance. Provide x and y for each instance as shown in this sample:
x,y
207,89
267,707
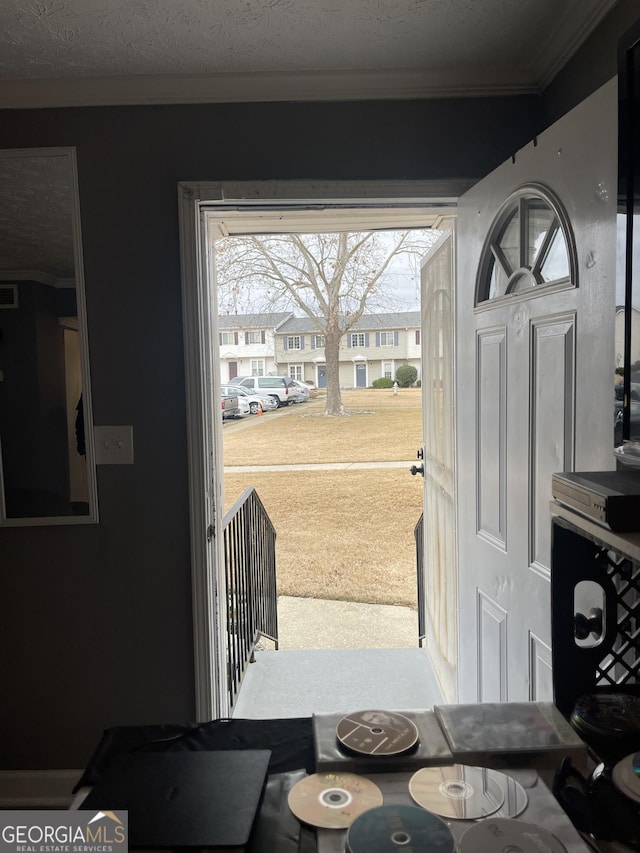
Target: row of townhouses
x,y
262,344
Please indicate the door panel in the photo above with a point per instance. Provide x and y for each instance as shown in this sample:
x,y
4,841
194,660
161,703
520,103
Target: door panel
x,y
541,674
552,383
491,395
534,396
492,650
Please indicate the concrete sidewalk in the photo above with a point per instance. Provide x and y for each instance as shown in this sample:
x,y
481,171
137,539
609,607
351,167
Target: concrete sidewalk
x,y
316,466
313,623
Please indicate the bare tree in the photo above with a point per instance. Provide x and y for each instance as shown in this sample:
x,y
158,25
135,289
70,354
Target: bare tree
x,y
331,278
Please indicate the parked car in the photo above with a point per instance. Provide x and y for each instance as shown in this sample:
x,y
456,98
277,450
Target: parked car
x,y
230,406
313,389
634,422
303,391
281,388
253,401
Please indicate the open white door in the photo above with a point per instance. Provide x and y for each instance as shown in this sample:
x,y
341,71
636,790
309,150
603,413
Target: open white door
x,y
438,429
534,384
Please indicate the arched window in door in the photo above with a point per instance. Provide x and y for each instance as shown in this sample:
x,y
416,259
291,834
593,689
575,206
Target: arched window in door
x,y
530,246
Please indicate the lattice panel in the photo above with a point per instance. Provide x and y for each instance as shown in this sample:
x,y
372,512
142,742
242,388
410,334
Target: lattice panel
x,y
622,664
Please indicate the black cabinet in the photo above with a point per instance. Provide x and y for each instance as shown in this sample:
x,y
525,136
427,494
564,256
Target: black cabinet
x,y
594,648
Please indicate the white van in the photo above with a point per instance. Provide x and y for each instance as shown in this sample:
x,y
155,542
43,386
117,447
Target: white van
x,y
281,388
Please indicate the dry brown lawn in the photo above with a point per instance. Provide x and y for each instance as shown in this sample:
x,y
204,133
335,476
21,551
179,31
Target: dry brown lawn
x,y
380,428
345,535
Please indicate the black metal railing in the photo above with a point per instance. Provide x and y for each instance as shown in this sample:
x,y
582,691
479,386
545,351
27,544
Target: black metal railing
x,y
250,572
422,621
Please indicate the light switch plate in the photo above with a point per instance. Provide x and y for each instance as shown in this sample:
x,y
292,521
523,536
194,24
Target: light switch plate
x,y
114,445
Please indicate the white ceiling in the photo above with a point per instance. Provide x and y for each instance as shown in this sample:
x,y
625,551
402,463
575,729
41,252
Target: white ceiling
x,y
66,52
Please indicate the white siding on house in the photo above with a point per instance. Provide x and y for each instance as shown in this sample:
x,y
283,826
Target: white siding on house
x,y
376,341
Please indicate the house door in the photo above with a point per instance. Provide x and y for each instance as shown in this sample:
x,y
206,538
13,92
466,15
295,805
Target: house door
x,y
534,318
233,369
438,454
322,376
361,375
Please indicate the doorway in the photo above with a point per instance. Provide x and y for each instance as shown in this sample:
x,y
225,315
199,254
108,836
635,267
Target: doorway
x,y
386,207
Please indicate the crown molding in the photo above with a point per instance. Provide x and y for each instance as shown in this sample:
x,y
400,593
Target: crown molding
x,y
37,276
409,84
565,39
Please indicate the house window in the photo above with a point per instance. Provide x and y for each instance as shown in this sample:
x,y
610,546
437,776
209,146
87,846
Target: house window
x,y
294,342
387,369
358,339
317,342
295,371
387,339
254,337
257,367
530,246
228,338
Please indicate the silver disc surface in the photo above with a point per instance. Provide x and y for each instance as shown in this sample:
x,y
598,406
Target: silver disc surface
x,y
458,791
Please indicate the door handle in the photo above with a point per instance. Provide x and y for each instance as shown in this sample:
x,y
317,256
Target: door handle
x,y
417,469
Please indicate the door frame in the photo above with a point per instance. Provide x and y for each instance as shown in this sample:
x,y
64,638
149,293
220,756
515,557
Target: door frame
x,y
204,433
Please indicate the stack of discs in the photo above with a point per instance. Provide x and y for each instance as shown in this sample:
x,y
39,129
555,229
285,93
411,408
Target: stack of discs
x,y
467,793
607,716
333,800
499,835
392,829
377,733
626,776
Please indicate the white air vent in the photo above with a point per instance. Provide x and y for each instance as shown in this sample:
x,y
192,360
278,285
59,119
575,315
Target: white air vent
x,y
8,296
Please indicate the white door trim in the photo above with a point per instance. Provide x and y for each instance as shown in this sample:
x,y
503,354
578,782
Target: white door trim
x,y
239,202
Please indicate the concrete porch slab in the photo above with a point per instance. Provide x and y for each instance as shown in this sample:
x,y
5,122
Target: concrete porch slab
x,y
300,683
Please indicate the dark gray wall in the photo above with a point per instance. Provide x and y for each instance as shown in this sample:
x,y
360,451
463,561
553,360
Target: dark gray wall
x,y
95,621
592,65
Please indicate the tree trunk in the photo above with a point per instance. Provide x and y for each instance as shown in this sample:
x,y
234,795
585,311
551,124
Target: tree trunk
x,y
334,405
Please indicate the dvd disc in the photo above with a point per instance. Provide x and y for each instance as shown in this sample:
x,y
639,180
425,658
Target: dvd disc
x,y
394,829
626,776
515,796
333,800
377,733
499,835
458,791
607,714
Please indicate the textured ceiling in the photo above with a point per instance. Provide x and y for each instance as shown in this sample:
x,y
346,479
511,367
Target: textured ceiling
x,y
36,229
73,52
446,43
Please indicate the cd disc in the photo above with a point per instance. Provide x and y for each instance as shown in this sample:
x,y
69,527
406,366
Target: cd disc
x,y
607,714
457,791
377,733
394,829
499,835
333,800
626,776
515,796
